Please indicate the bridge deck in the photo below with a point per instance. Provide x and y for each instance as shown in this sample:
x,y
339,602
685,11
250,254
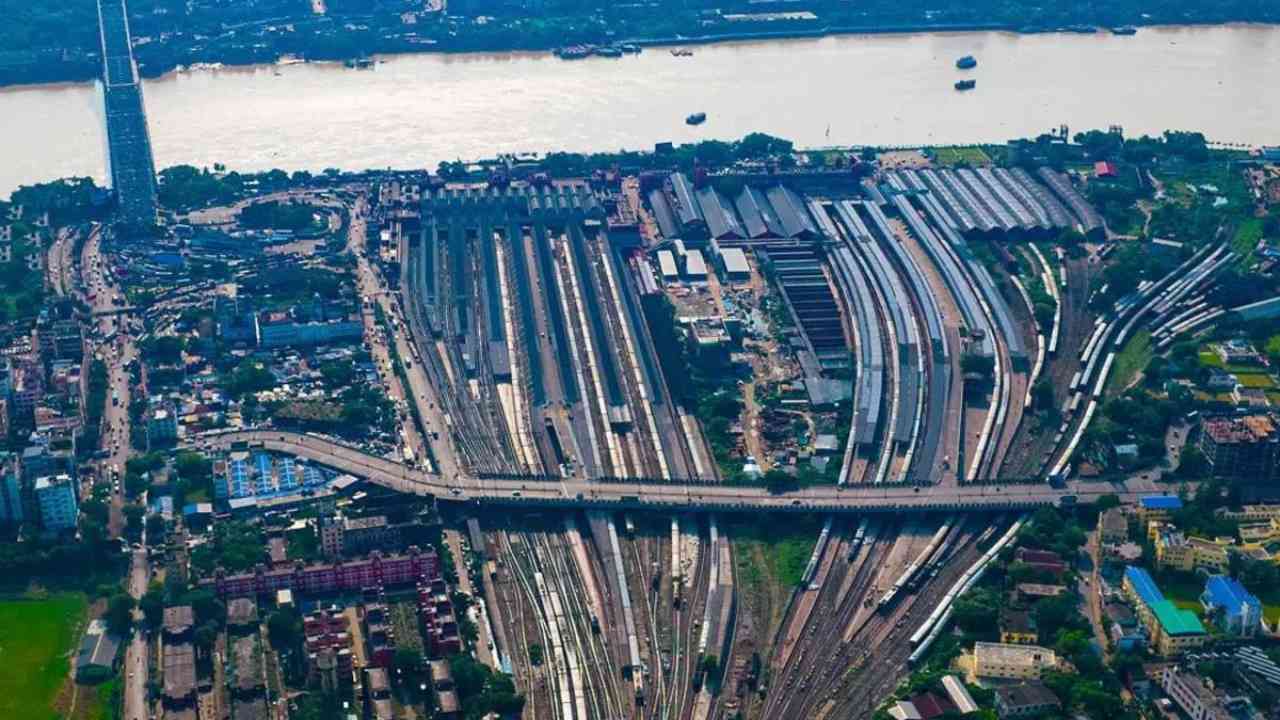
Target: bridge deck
x,y
620,495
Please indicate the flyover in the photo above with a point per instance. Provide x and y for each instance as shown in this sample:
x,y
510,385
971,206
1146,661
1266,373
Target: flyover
x,y
613,494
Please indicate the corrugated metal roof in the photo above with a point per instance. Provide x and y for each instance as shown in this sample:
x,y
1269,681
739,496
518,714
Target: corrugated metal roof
x,y
667,263
757,214
791,212
959,694
1176,621
735,261
1229,594
694,265
1142,584
685,206
662,214
722,221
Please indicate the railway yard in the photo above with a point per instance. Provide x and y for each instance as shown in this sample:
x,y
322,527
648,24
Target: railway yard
x,y
527,309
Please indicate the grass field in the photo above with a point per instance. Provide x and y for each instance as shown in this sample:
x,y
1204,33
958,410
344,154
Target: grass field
x,y
1255,380
36,638
1246,239
957,155
1132,360
786,550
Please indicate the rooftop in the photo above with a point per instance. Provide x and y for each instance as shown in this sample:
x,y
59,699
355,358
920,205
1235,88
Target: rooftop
x,y
178,619
1228,594
1175,620
242,611
1008,655
1017,621
1026,695
1041,590
1247,429
1143,585
1161,502
735,261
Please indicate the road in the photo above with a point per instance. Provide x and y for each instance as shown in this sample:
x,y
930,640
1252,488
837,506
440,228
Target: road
x,y
422,392
100,292
135,657
601,494
369,285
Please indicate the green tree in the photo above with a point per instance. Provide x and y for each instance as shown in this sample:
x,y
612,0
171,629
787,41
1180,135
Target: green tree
x,y
119,614
284,627
977,611
152,605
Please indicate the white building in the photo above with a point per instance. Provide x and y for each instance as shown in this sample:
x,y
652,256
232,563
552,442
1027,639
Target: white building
x,y
56,498
1190,693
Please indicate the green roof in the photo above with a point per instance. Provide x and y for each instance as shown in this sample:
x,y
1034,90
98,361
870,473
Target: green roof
x,y
1176,621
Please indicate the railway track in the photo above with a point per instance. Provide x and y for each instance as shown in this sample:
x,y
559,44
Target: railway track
x,y
578,681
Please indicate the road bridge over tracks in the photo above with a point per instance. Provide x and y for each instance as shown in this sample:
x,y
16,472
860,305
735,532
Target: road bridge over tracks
x,y
668,497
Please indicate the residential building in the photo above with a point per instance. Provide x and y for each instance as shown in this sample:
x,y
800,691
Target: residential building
x,y
56,498
1031,592
1177,551
162,426
1123,627
330,531
1172,630
11,504
1236,351
375,571
1113,527
1025,700
1018,627
1235,609
362,534
1012,662
1242,447
1042,560
1189,692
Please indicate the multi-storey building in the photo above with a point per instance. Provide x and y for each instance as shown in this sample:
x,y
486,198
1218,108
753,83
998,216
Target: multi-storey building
x,y
374,572
162,425
1012,662
1245,448
1177,551
1235,609
12,511
56,498
1190,693
1172,629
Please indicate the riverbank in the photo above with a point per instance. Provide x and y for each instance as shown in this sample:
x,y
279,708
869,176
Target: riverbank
x,y
156,60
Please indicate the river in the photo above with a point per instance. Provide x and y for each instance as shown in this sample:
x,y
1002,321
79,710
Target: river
x,y
416,110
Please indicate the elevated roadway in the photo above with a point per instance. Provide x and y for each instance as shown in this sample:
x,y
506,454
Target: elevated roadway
x,y
573,493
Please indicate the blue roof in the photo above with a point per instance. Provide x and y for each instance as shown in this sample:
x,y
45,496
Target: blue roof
x,y
1142,584
1228,594
1161,502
